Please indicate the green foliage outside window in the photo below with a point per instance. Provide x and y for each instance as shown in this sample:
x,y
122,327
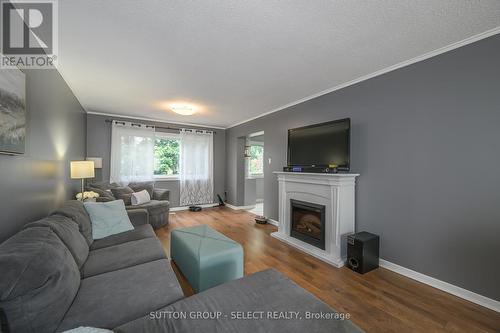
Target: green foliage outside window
x,y
256,163
166,157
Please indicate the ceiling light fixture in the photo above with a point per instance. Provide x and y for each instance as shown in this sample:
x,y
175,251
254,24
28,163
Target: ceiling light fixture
x,y
184,110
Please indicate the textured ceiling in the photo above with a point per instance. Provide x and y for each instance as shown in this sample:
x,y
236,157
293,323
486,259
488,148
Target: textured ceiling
x,y
237,59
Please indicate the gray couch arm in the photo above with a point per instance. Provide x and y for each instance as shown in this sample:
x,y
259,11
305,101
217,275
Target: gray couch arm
x,y
138,216
161,194
267,289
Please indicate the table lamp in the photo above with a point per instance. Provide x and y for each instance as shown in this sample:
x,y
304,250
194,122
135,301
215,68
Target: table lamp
x,y
82,170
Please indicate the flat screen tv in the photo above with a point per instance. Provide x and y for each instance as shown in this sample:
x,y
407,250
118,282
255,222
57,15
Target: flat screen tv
x,y
321,145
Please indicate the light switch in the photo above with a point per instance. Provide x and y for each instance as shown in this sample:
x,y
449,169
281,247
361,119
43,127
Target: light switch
x,y
269,159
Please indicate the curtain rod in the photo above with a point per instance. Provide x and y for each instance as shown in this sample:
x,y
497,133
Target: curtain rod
x,y
160,127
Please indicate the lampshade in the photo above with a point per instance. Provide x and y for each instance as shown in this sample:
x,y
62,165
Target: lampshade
x,y
97,161
82,169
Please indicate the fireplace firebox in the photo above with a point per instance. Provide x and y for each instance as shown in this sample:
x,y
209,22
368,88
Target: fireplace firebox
x,y
308,222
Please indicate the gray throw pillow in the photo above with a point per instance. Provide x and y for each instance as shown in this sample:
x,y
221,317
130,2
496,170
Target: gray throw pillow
x,y
123,193
140,186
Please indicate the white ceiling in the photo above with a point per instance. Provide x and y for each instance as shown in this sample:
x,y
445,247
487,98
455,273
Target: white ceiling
x,y
238,59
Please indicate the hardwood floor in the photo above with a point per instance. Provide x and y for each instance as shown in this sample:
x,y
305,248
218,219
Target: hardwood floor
x,y
379,301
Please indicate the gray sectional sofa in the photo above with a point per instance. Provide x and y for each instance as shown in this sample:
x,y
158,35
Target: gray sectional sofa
x,y
158,208
55,277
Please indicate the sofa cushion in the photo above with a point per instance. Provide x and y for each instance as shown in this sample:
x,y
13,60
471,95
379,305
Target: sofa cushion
x,y
4,327
154,207
38,282
138,216
139,186
86,329
68,232
108,218
104,195
158,212
122,256
105,186
112,299
75,211
161,194
266,292
140,232
123,193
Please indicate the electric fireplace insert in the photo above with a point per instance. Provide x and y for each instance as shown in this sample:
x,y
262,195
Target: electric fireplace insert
x,y
308,222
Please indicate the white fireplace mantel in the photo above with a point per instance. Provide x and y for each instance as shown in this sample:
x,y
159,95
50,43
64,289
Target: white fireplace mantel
x,y
336,193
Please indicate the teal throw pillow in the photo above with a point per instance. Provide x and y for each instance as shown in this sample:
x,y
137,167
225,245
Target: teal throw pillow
x,y
108,218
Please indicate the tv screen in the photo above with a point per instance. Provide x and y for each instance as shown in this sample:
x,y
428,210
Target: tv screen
x,y
321,145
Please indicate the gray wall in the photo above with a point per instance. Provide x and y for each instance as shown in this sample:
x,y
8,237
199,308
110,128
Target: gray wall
x,y
34,184
250,192
425,139
254,190
240,170
259,188
99,145
259,182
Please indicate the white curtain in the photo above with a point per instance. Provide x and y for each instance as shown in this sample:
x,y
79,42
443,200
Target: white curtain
x,y
132,152
196,167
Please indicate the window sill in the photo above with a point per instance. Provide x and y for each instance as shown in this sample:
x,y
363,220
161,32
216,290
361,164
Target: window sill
x,y
255,177
166,178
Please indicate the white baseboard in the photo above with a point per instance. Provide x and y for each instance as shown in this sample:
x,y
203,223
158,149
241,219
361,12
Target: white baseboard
x,y
176,209
273,222
441,285
270,221
239,207
444,286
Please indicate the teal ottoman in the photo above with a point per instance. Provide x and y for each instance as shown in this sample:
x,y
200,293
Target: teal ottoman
x,y
206,257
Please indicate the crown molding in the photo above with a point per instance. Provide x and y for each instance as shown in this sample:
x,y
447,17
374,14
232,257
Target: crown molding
x,y
117,115
402,64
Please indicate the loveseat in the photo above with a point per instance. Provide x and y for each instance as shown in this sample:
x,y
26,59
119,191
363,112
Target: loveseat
x,y
158,208
55,277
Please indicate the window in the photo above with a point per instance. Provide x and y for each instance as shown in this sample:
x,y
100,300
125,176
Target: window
x,y
131,157
166,155
256,161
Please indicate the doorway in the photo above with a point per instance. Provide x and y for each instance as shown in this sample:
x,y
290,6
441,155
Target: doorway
x,y
254,172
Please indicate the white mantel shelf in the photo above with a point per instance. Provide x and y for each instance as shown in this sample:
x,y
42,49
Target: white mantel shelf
x,y
336,175
336,191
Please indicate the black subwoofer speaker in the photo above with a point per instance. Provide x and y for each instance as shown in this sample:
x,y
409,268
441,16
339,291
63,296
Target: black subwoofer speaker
x,y
362,252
